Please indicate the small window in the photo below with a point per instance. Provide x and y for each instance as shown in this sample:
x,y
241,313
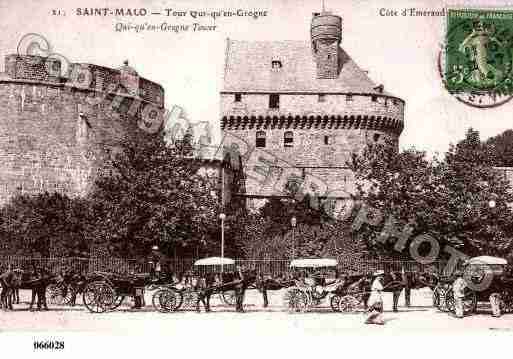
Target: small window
x,y
274,101
327,140
374,98
329,56
349,98
288,139
276,64
322,97
238,97
376,137
394,101
260,139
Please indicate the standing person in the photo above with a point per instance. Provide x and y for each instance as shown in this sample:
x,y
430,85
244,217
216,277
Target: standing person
x,y
375,303
458,289
239,290
495,302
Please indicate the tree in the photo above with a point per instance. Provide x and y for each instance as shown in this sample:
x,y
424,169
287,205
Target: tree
x,y
151,194
449,200
500,149
47,224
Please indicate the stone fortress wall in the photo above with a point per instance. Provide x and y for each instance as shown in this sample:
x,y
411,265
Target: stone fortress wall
x,y
55,131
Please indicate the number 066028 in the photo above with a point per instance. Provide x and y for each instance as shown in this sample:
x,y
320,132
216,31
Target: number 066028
x,y
48,345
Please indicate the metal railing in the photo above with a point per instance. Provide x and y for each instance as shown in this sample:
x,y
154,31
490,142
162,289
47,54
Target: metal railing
x,y
274,267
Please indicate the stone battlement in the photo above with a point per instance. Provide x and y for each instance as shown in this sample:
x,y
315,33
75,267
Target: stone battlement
x,y
124,81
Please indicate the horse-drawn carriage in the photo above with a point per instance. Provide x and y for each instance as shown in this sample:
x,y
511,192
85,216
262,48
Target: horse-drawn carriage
x,y
489,275
216,273
105,291
311,288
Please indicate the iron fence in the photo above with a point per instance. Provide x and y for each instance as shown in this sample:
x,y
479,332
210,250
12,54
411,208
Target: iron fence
x,y
274,267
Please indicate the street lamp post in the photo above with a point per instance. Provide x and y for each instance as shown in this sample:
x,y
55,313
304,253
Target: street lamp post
x,y
293,223
222,217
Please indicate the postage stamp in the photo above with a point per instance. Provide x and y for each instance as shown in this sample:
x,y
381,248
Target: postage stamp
x,y
479,55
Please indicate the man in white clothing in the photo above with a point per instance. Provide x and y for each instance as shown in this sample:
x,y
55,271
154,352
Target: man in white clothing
x,y
375,302
458,289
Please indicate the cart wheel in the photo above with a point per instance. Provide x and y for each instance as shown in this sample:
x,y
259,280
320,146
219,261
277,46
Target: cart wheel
x,y
228,297
55,294
348,303
296,300
334,303
98,297
190,299
165,300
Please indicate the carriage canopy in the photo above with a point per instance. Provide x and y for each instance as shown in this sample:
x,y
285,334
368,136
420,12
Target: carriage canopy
x,y
213,261
487,260
313,263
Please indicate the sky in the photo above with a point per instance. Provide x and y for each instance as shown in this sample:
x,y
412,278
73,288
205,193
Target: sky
x,y
399,52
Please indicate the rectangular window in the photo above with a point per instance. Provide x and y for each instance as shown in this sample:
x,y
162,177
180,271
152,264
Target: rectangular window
x,y
326,140
276,64
274,101
288,139
260,139
238,97
349,98
322,97
374,98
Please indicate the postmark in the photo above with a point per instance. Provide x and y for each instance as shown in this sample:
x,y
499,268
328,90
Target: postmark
x,y
476,63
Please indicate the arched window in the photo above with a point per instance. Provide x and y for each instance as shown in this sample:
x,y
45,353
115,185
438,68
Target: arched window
x,y
288,139
260,139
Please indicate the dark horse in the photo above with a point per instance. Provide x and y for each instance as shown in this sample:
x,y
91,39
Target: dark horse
x,y
208,286
265,284
9,280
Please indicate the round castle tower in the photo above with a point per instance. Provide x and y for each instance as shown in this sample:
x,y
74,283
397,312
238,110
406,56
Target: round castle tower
x,y
326,34
57,131
301,109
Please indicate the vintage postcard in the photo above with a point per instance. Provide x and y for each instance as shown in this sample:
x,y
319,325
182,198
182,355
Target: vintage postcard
x,y
227,171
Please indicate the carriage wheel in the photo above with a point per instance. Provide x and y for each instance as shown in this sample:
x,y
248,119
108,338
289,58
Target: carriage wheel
x,y
348,303
166,300
228,297
296,300
98,297
55,294
190,299
334,303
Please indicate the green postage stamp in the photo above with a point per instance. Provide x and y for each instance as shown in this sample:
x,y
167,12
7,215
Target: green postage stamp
x,y
479,52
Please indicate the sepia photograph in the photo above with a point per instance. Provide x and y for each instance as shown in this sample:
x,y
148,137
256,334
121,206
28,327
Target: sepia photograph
x,y
252,178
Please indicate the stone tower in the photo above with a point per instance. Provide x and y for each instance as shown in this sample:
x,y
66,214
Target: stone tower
x,y
299,110
57,132
326,34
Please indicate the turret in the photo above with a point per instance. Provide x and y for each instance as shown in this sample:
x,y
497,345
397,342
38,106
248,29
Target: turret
x,y
326,34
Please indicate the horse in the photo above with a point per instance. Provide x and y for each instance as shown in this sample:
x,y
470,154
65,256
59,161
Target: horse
x,y
9,280
207,287
265,284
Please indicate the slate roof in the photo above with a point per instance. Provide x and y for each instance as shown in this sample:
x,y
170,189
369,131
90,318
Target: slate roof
x,y
248,69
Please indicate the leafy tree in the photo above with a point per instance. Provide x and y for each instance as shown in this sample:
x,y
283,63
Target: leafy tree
x,y
151,194
48,224
460,201
500,149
